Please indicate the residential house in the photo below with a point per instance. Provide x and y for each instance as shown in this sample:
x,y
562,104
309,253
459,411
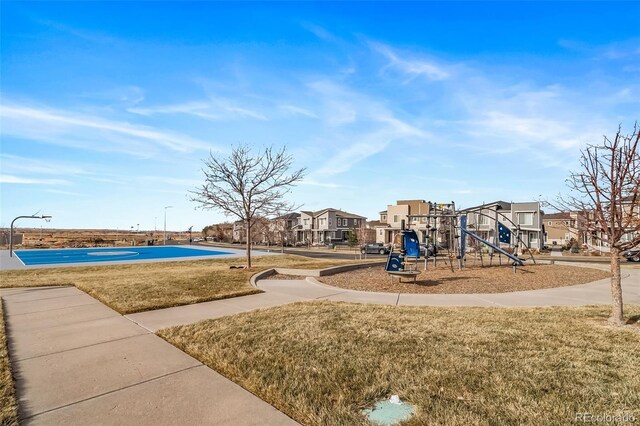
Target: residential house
x,y
419,215
560,228
327,226
259,231
283,229
222,232
527,217
368,234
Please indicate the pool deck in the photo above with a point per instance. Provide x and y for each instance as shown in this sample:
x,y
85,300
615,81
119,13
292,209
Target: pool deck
x,y
13,263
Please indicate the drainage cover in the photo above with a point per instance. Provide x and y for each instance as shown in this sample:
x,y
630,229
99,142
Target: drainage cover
x,y
389,412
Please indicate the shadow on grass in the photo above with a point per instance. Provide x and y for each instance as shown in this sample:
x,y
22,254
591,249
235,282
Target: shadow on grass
x,y
633,320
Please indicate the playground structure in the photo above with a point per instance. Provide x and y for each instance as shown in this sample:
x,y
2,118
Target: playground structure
x,y
448,230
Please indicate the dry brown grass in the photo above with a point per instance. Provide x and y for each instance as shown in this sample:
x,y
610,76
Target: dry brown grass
x,y
322,362
8,404
145,286
474,279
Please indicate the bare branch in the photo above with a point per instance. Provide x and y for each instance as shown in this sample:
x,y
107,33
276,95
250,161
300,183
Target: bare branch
x,y
247,186
607,190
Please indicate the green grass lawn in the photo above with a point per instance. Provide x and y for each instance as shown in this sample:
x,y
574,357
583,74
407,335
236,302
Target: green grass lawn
x,y
8,405
146,286
323,362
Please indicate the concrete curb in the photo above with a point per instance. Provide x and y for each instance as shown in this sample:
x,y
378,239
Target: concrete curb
x,y
310,272
343,268
260,276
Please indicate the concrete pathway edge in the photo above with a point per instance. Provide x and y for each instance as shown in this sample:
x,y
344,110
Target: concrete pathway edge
x,y
87,364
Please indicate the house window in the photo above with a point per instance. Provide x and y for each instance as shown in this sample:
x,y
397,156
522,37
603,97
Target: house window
x,y
306,221
550,223
396,218
525,219
380,232
329,222
483,220
383,217
355,222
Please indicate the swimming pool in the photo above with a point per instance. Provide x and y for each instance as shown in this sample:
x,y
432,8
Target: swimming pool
x,y
110,254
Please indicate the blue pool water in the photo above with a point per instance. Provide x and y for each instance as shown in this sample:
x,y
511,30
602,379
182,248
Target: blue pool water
x,y
109,254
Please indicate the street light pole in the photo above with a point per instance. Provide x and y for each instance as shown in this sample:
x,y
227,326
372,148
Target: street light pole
x,y
165,225
11,230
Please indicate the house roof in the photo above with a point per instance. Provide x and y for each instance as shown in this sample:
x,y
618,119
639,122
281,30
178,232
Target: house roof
x,y
338,212
561,215
375,223
289,216
349,215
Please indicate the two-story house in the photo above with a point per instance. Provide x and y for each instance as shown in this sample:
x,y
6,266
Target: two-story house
x,y
562,227
327,226
391,219
260,231
483,221
283,229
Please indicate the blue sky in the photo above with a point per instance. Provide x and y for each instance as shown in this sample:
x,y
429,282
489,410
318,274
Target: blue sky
x,y
108,108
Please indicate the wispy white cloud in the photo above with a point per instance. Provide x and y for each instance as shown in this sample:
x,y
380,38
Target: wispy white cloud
x,y
295,110
617,50
21,164
412,66
216,109
86,35
69,128
61,192
127,96
170,180
318,31
390,130
311,182
11,179
365,124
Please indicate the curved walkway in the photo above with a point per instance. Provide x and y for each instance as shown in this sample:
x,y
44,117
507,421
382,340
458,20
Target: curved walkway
x,y
597,292
281,292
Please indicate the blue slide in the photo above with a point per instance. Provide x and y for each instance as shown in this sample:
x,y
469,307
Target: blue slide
x,y
411,243
463,226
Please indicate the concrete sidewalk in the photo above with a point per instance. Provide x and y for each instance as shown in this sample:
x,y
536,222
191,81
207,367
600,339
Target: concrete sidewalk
x,y
78,362
187,314
594,293
280,292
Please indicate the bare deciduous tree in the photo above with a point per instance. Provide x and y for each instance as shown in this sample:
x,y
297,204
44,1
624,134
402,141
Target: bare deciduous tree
x,y
606,194
247,185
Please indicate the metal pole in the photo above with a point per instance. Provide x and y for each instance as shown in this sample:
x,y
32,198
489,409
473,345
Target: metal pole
x,y
11,229
165,224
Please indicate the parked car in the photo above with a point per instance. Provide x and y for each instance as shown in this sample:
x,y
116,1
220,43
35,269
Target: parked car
x,y
374,248
632,255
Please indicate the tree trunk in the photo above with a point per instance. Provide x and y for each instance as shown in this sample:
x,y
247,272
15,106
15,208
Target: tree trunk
x,y
248,244
617,313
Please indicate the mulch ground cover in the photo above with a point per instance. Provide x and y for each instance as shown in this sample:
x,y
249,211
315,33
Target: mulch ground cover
x,y
473,279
